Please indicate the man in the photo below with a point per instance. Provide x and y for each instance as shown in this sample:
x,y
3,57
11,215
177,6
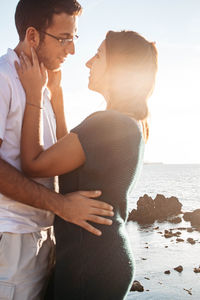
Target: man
x,y
26,239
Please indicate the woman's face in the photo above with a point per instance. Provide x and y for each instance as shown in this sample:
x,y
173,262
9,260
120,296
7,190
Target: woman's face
x,y
97,65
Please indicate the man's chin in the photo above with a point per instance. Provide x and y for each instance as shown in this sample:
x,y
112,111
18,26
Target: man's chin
x,y
54,69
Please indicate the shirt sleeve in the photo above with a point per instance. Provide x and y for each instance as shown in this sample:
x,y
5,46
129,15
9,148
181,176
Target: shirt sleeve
x,y
5,95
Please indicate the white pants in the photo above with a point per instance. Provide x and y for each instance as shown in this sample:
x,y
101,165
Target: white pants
x,y
25,263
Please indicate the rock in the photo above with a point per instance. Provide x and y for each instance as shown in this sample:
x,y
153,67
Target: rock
x,y
197,270
155,228
197,228
179,240
149,210
195,220
178,233
167,272
179,269
175,220
145,210
181,228
132,215
193,217
147,278
187,216
168,235
166,207
137,286
190,229
166,246
191,241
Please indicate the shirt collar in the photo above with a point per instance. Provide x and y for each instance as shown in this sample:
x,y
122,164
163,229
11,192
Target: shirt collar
x,y
12,56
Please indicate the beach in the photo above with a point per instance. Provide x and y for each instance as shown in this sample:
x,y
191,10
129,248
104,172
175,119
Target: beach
x,y
154,253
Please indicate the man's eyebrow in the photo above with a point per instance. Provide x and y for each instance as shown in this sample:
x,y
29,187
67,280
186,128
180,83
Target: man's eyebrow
x,y
69,34
66,34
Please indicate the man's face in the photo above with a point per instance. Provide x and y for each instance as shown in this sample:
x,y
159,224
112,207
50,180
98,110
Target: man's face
x,y
50,51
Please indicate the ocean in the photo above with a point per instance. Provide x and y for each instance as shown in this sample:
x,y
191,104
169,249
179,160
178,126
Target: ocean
x,y
182,181
154,253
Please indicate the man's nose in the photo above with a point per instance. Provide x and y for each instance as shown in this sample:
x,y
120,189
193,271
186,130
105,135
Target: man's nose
x,y
71,48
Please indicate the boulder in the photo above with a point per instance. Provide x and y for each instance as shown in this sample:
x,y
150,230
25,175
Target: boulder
x,y
195,218
137,287
145,209
187,216
149,210
166,207
133,215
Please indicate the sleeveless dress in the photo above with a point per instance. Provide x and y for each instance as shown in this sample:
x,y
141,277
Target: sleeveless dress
x,y
89,267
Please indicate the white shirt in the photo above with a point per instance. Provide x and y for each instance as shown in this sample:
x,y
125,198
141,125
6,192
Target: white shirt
x,y
15,216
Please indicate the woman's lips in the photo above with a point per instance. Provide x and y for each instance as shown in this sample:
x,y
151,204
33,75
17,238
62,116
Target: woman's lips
x,y
62,59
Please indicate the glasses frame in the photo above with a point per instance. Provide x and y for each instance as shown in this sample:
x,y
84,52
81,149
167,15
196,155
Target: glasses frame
x,y
62,41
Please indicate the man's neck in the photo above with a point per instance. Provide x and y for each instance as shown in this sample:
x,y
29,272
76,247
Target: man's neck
x,y
21,47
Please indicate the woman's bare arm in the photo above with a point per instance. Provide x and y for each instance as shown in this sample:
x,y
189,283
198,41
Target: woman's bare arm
x,y
67,154
57,102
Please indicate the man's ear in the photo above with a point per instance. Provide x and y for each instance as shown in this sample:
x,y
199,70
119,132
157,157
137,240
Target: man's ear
x,y
32,37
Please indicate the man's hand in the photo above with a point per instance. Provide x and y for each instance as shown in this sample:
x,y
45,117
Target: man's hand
x,y
78,208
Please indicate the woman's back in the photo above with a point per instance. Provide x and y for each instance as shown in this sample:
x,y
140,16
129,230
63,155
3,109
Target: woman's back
x,y
87,266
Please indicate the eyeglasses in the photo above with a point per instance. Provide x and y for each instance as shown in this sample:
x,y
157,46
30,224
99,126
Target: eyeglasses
x,y
62,41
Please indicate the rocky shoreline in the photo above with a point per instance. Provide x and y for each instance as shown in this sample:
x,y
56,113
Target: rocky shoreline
x,y
162,208
166,210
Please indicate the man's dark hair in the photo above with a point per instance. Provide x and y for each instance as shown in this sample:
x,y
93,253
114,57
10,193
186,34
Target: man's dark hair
x,y
39,13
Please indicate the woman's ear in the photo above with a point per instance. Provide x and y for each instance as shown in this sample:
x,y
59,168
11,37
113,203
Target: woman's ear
x,y
32,37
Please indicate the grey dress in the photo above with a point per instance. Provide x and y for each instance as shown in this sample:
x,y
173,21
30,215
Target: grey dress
x,y
90,267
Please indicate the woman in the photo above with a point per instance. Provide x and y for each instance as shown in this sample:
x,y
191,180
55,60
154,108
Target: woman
x,y
106,151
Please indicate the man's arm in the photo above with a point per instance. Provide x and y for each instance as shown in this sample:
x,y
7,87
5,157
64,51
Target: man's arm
x,y
75,207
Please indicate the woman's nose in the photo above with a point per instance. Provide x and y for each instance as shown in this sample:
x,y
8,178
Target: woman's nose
x,y
89,63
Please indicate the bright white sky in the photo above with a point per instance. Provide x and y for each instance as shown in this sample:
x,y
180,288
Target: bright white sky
x,y
175,104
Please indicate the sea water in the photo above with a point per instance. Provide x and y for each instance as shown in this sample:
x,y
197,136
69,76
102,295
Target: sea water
x,y
155,254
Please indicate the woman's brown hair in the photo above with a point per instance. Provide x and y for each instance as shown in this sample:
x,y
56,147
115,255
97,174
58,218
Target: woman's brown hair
x,y
132,67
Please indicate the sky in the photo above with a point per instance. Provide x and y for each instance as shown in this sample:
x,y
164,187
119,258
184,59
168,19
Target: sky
x,y
175,104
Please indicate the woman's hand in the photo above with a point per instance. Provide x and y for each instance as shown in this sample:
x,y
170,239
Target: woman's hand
x,y
54,80
57,101
33,77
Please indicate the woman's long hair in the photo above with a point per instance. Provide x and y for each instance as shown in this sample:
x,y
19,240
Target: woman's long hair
x,y
132,67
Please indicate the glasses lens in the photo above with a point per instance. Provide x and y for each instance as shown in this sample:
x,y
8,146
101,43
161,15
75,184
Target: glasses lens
x,y
69,40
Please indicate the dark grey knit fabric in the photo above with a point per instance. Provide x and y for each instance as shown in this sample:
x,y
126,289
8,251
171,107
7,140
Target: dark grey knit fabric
x,y
90,267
